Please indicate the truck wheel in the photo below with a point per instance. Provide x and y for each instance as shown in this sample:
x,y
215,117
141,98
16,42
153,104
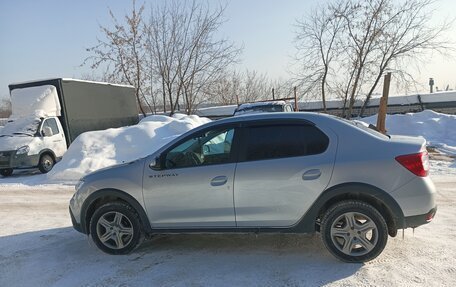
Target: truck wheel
x,y
115,228
6,172
354,231
46,163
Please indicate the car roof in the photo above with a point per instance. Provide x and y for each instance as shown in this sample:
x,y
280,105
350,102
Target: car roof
x,y
309,116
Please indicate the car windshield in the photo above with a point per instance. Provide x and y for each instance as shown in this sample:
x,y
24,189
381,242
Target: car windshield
x,y
20,127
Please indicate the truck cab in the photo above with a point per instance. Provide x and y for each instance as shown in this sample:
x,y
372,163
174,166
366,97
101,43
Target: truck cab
x,y
48,115
31,142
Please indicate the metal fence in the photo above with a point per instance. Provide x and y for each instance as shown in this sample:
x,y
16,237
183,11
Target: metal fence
x,y
443,102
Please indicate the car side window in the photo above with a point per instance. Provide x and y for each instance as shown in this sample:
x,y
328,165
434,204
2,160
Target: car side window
x,y
281,141
212,147
52,124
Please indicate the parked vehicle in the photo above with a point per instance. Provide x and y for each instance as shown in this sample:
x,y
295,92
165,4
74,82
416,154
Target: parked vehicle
x,y
48,115
275,172
263,107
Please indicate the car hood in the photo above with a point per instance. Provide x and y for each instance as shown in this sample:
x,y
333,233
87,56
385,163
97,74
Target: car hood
x,y
113,169
14,142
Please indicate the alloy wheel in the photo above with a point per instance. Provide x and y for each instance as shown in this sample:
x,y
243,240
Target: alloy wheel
x,y
354,233
114,230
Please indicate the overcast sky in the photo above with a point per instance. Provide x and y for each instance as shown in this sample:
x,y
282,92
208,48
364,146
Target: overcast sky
x,y
47,38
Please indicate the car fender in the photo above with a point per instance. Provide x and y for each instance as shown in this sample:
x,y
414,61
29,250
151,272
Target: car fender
x,y
110,194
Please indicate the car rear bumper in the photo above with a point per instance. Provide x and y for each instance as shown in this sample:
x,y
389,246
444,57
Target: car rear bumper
x,y
417,220
417,197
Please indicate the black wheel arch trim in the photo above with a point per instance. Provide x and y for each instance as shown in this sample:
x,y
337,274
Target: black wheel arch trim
x,y
110,192
307,223
362,190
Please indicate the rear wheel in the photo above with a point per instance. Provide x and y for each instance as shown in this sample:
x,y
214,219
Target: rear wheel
x,y
46,163
115,228
6,172
354,231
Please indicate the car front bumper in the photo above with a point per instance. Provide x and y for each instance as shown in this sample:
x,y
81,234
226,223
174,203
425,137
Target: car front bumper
x,y
9,159
76,225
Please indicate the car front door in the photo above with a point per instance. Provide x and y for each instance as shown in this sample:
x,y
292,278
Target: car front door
x,y
282,169
193,187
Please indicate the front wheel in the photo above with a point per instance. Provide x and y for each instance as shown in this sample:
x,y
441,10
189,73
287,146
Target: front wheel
x,y
46,163
6,172
354,231
115,228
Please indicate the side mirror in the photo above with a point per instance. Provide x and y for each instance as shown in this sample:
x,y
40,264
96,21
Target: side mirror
x,y
47,132
155,164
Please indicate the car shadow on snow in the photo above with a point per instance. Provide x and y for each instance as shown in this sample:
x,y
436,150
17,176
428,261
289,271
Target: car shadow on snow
x,y
65,257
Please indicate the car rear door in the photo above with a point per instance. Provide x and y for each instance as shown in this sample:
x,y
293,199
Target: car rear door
x,y
282,169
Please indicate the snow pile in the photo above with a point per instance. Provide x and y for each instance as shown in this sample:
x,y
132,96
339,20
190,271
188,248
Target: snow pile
x,y
438,129
34,100
21,126
98,149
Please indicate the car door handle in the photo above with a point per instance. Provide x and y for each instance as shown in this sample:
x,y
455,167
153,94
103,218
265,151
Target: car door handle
x,y
311,174
219,180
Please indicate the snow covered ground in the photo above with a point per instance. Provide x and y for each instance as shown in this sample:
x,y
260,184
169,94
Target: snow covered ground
x,y
38,246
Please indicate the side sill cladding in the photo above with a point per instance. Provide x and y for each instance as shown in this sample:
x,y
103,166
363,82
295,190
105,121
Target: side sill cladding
x,y
355,190
107,195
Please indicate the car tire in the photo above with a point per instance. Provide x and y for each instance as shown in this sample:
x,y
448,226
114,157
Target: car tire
x,y
354,231
6,172
115,228
46,163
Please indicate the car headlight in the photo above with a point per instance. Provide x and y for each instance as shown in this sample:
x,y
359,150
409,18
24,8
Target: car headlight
x,y
79,184
23,150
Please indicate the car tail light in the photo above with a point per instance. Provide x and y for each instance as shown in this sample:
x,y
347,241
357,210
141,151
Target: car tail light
x,y
430,215
417,163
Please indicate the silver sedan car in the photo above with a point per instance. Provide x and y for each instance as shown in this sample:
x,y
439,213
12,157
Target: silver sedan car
x,y
280,172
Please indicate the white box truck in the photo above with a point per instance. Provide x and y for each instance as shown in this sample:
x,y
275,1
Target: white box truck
x,y
47,115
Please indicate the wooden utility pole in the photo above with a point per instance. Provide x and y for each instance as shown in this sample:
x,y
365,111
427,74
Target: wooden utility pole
x,y
295,100
273,96
381,117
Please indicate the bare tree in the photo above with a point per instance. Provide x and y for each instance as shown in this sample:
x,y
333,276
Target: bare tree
x,y
185,54
407,34
316,42
226,89
122,54
362,41
237,88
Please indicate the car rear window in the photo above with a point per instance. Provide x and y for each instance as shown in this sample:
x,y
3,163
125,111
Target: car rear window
x,y
281,141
